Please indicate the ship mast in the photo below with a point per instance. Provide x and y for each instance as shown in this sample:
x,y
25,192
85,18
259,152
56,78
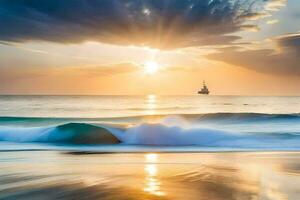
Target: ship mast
x,y
204,89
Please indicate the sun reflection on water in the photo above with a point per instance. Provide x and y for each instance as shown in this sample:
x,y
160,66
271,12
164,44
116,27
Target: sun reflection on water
x,y
151,103
152,182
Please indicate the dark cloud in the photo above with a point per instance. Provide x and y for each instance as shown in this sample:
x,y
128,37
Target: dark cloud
x,y
155,23
254,15
284,61
290,42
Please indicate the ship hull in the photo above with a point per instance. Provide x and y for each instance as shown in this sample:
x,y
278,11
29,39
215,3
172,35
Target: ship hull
x,y
205,93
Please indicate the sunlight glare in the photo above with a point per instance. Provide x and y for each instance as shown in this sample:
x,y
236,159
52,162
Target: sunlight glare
x,y
151,157
151,67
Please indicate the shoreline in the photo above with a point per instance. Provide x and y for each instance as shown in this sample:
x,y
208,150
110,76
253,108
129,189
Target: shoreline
x,y
79,152
153,176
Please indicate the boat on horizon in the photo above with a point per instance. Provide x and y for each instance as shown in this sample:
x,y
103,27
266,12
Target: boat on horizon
x,y
204,89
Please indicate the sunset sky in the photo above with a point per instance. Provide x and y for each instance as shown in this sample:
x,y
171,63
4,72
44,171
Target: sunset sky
x,y
120,47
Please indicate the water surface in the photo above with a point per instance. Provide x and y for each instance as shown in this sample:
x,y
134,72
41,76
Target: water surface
x,y
64,175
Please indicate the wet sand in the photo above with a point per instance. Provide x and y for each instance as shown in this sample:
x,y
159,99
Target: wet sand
x,y
200,176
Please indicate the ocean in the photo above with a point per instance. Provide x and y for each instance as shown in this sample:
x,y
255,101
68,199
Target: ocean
x,y
143,123
149,147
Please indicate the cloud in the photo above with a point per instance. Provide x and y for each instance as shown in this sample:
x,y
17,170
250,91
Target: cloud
x,y
250,27
274,5
290,42
255,16
156,23
284,61
272,21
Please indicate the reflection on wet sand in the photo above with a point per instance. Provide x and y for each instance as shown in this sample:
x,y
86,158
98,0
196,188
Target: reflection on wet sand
x,y
152,183
152,176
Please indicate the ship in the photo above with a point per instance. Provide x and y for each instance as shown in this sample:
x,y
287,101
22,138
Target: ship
x,y
204,89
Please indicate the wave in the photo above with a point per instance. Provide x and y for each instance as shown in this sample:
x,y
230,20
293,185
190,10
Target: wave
x,y
167,108
235,130
153,134
242,116
70,133
165,135
205,116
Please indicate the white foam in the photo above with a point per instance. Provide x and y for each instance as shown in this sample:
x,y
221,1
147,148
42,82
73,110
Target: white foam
x,y
159,134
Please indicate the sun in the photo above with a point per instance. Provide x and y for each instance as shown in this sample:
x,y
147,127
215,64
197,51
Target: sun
x,y
151,67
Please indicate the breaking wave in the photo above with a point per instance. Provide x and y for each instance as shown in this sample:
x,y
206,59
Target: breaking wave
x,y
169,131
71,133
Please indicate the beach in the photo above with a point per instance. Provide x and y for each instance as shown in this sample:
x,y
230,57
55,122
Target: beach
x,y
67,175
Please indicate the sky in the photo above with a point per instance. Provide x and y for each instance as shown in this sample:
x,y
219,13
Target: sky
x,y
140,47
